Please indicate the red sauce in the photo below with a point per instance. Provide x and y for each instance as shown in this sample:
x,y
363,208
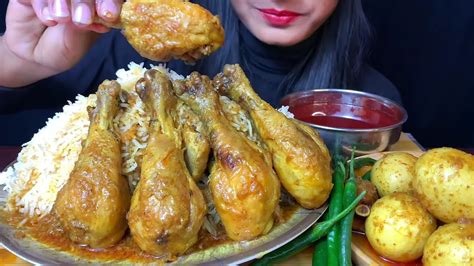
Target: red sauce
x,y
343,116
338,122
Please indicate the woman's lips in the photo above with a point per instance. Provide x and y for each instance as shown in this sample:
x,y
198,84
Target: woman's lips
x,y
279,18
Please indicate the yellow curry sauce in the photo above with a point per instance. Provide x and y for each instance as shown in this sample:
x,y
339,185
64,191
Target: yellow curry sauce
x,y
48,231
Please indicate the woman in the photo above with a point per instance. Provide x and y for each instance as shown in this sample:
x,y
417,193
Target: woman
x,y
283,46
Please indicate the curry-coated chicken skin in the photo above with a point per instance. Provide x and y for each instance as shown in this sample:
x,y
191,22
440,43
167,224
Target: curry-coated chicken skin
x,y
162,30
93,204
244,187
197,147
167,209
300,157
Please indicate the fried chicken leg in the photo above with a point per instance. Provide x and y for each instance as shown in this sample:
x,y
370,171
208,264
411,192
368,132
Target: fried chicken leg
x,y
93,204
197,147
162,30
244,187
300,157
167,208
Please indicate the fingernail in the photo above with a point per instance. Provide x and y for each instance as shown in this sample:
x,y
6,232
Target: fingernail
x,y
60,9
46,14
109,10
82,14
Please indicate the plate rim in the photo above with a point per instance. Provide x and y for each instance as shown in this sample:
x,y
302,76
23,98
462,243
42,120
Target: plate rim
x,y
311,217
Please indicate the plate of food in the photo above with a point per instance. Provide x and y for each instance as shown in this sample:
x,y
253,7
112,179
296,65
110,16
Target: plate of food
x,y
159,168
423,213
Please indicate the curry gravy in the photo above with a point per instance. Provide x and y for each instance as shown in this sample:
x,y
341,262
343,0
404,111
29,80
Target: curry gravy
x,y
47,230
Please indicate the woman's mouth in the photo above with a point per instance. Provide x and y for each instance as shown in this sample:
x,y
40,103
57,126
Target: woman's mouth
x,y
279,18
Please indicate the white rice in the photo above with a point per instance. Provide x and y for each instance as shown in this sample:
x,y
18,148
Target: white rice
x,y
132,120
238,117
285,110
45,163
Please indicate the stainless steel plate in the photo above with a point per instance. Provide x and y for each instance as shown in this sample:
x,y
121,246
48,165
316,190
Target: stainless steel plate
x,y
231,253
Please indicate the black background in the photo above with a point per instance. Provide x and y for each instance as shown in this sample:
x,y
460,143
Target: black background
x,y
426,48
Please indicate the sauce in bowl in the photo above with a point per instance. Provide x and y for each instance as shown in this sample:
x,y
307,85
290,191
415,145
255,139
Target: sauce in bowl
x,y
342,116
349,119
344,109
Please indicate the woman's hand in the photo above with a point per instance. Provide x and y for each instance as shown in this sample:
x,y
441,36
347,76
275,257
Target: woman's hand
x,y
47,37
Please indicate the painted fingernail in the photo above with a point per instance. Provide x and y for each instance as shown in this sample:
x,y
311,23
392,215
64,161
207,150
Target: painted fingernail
x,y
46,14
109,10
82,14
60,9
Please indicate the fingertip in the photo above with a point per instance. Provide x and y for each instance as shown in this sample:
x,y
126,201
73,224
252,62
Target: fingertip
x,y
98,28
59,10
25,2
42,13
82,15
49,23
109,10
46,17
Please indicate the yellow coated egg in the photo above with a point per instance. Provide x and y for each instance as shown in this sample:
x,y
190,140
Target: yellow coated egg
x,y
451,244
444,183
394,173
398,227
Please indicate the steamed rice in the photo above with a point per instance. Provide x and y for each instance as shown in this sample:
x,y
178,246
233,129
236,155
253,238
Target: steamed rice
x,y
45,163
238,117
132,120
286,111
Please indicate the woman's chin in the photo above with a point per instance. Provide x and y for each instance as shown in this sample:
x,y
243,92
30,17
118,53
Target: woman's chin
x,y
280,36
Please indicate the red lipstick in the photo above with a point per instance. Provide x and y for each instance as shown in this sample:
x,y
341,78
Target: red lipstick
x,y
279,18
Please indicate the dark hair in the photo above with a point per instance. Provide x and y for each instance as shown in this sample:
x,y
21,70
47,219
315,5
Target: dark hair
x,y
335,62
340,54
